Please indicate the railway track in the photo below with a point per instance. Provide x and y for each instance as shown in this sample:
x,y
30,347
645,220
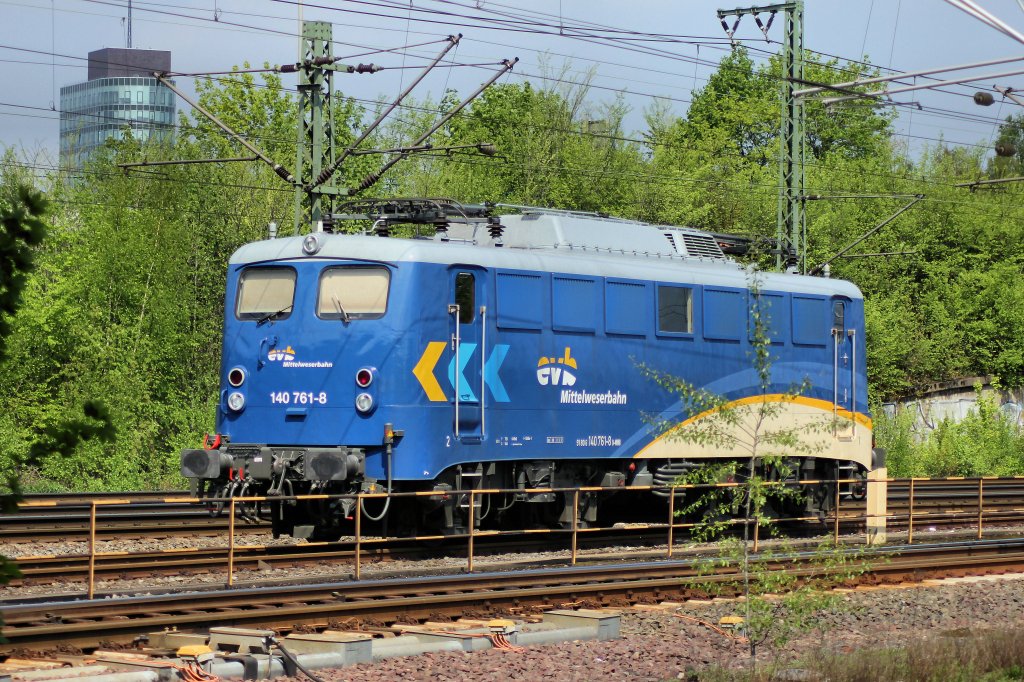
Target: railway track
x,y
196,561
89,623
59,517
936,505
193,561
52,517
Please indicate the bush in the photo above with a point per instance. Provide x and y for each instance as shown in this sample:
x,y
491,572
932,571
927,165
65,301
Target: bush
x,y
985,443
896,434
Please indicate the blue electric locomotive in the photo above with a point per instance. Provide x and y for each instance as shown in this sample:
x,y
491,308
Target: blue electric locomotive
x,y
504,353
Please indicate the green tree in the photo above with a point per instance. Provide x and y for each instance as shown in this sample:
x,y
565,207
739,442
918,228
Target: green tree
x,y
555,150
1011,140
22,227
718,165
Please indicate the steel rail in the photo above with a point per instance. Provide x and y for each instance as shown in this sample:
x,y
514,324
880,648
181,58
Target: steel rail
x,y
192,560
62,516
88,623
39,568
52,516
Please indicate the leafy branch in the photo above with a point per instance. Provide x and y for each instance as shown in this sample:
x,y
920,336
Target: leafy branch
x,y
758,450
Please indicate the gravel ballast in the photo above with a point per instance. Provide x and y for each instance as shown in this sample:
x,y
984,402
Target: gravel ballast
x,y
657,645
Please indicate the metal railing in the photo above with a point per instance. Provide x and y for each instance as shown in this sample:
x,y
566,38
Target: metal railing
x,y
672,526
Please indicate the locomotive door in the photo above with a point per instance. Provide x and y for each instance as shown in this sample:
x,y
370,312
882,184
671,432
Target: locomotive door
x,y
467,313
844,364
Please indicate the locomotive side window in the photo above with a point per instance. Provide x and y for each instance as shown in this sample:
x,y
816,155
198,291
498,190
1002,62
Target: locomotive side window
x,y
465,296
265,291
675,309
353,292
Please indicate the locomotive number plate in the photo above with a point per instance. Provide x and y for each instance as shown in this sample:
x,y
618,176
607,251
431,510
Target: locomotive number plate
x,y
298,398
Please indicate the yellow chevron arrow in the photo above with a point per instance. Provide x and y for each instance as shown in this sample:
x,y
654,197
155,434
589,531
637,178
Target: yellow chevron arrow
x,y
424,371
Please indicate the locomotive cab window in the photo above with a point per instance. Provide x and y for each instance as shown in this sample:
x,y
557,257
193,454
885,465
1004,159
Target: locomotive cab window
x,y
265,291
675,309
838,315
465,296
353,293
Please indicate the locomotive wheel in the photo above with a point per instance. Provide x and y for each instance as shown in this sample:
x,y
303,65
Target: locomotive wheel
x,y
859,490
823,495
784,504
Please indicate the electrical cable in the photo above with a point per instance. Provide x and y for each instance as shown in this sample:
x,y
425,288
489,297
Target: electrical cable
x,y
396,49
643,93
252,14
294,659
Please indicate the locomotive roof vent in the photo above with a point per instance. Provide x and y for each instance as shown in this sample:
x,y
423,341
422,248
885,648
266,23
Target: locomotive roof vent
x,y
694,243
591,233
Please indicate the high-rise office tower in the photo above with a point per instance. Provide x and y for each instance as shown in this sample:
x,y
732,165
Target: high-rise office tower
x,y
121,93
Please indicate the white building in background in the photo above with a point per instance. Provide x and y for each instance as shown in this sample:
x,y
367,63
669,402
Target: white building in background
x,y
954,400
121,93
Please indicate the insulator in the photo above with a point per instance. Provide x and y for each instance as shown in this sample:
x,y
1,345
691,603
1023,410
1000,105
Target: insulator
x,y
984,99
495,228
368,181
363,68
382,228
1006,149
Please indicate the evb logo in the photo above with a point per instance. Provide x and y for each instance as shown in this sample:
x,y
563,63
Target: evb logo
x,y
556,371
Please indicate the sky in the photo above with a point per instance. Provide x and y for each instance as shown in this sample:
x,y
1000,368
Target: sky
x,y
661,49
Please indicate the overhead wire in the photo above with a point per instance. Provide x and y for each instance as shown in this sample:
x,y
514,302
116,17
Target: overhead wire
x,y
534,76
206,19
371,102
539,76
646,142
431,110
769,188
678,37
521,74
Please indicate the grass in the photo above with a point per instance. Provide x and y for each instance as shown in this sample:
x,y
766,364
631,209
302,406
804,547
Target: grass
x,y
957,656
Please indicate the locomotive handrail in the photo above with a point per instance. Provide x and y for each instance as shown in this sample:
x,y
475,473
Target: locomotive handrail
x,y
483,371
454,310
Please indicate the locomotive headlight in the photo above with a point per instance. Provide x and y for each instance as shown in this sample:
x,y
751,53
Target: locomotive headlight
x,y
236,401
364,402
311,243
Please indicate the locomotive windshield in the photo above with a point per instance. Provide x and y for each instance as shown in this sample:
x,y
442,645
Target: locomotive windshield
x,y
265,291
353,292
